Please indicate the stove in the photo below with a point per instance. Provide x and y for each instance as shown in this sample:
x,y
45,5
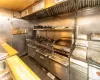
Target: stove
x,y
50,57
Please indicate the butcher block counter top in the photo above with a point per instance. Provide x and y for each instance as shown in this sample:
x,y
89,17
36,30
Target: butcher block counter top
x,y
11,51
20,70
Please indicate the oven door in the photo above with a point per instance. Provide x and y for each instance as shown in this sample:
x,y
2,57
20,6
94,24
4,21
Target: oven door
x,y
59,70
43,60
59,67
32,51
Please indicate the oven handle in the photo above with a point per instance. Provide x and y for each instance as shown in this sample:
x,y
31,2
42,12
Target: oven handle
x,y
31,46
41,57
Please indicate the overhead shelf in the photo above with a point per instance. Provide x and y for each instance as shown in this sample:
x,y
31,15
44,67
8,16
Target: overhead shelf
x,y
55,29
63,7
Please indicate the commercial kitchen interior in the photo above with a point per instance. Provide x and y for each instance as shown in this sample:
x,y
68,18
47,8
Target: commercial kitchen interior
x,y
49,39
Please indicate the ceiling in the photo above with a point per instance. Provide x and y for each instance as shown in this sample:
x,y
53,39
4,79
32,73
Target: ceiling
x,y
18,5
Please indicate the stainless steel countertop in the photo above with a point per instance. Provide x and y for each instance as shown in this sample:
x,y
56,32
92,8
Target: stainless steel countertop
x,y
53,56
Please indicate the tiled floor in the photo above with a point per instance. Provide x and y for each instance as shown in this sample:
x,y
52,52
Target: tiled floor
x,y
36,68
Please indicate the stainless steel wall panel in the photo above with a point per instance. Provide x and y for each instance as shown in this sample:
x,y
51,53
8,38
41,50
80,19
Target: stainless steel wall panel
x,y
5,30
31,34
50,34
88,20
43,34
57,34
16,41
65,20
19,40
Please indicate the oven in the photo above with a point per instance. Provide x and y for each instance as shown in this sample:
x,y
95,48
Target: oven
x,y
59,60
31,49
37,51
42,58
59,66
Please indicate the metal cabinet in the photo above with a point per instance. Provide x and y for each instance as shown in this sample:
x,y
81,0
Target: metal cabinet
x,y
19,43
32,51
59,70
31,48
77,72
33,55
43,60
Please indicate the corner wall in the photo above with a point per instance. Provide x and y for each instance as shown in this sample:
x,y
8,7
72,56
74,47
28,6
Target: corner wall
x,y
7,22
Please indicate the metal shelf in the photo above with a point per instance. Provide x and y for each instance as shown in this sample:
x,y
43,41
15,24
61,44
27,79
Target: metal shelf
x,y
55,29
63,7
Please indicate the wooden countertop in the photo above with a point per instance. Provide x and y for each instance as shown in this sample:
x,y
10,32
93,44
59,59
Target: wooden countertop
x,y
20,70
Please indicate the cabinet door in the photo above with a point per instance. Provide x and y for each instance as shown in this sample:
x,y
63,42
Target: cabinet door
x,y
43,60
59,70
32,52
19,43
76,72
31,48
33,55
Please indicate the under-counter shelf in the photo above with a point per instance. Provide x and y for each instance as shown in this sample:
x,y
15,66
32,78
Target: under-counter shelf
x,y
4,71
